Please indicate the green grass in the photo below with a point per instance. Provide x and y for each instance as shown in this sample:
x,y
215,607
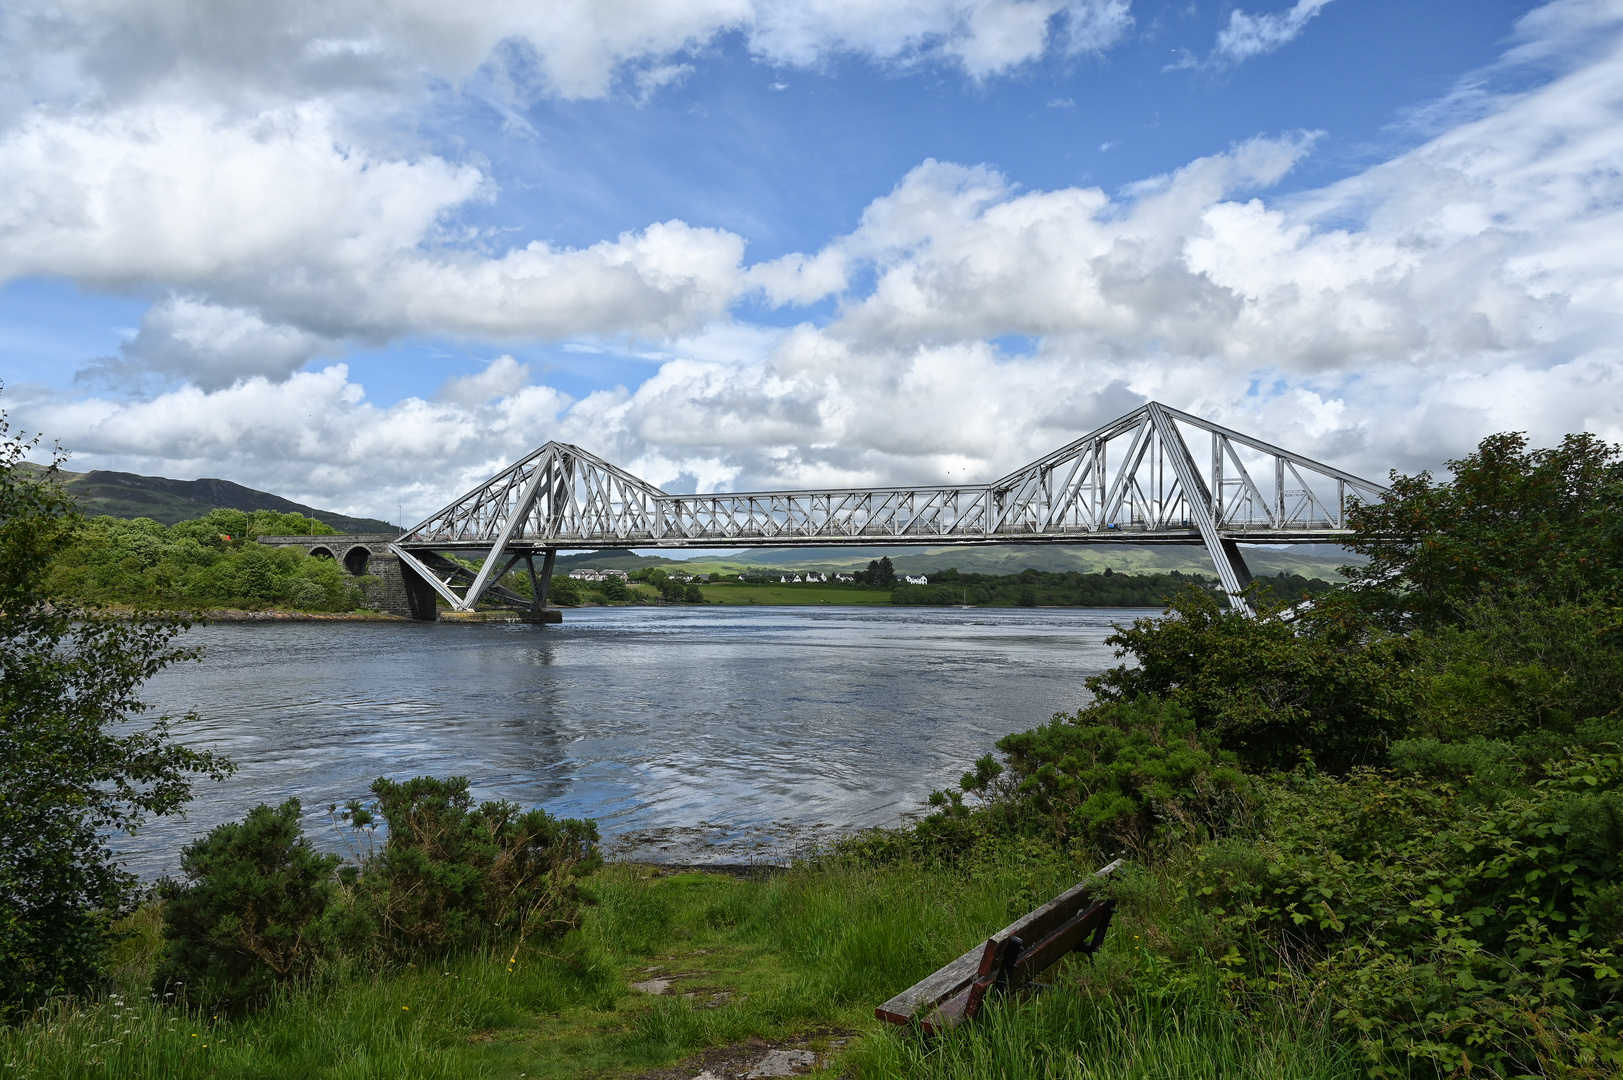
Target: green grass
x,y
811,951
792,595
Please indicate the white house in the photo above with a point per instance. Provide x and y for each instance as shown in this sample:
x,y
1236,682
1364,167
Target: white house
x,y
920,580
588,574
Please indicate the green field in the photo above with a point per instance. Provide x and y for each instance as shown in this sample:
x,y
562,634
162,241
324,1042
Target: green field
x,y
792,595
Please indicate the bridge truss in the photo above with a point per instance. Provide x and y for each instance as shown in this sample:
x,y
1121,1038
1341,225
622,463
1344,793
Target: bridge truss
x,y
1134,480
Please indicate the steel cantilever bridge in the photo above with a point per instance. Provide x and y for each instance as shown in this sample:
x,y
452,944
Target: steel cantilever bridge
x,y
1134,480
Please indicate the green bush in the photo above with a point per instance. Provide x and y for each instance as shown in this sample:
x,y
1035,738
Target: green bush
x,y
249,917
564,591
454,876
1323,688
1512,519
1449,932
1120,775
214,561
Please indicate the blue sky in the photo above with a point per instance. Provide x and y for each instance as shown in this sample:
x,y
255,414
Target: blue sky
x,y
361,256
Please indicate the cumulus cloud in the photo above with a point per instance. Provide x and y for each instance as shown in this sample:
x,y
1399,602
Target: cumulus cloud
x,y
1247,36
187,340
280,219
239,156
314,437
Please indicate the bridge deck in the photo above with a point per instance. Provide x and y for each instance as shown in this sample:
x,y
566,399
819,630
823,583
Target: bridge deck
x,y
534,545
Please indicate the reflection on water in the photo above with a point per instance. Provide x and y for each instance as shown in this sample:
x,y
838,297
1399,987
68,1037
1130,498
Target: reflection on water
x,y
713,725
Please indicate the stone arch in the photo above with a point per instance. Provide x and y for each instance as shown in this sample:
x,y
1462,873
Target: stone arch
x,y
355,560
322,553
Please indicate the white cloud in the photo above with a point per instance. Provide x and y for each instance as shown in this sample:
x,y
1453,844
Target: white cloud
x,y
278,218
1247,36
314,437
184,339
247,159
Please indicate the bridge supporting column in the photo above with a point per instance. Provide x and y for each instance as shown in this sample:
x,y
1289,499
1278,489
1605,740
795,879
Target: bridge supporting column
x,y
541,585
1228,557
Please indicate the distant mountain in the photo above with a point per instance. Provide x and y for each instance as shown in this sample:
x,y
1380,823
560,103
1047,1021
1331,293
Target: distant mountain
x,y
611,559
127,495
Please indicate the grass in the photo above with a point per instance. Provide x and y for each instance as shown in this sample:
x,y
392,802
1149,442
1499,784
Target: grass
x,y
807,952
790,594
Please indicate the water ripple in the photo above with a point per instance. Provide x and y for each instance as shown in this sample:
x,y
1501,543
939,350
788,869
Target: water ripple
x,y
653,720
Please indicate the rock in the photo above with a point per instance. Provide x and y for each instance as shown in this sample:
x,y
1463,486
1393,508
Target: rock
x,y
652,986
782,1063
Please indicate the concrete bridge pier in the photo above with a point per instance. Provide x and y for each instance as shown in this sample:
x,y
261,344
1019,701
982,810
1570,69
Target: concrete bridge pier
x,y
398,590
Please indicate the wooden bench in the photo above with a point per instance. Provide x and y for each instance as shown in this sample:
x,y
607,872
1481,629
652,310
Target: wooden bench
x,y
1072,921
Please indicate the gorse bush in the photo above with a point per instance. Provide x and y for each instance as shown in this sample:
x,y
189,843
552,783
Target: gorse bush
x,y
1122,776
261,909
1272,693
454,876
249,917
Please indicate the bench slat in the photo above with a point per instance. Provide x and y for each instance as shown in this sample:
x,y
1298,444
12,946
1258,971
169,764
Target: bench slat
x,y
953,980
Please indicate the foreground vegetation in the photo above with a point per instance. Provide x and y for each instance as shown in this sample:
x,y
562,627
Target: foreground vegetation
x,y
800,957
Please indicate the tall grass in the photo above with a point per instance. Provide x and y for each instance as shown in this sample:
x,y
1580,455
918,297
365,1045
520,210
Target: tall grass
x,y
1070,1036
814,949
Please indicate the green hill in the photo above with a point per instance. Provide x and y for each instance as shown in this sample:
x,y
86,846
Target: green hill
x,y
128,495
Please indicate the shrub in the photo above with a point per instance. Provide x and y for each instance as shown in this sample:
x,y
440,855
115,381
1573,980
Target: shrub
x,y
1271,692
1121,774
249,917
452,876
563,591
1449,932
1512,518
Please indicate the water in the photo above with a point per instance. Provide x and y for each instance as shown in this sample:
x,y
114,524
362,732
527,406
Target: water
x,y
691,734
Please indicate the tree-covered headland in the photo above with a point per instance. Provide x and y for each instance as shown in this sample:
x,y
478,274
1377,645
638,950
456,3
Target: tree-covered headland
x,y
215,561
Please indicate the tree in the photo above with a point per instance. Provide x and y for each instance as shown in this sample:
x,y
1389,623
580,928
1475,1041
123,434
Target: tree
x,y
1547,522
880,572
74,767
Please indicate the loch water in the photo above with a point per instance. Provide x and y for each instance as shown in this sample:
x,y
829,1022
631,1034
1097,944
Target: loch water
x,y
690,734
